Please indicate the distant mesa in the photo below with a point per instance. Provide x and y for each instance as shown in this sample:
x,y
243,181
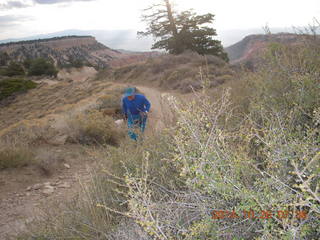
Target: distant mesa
x,y
251,47
70,51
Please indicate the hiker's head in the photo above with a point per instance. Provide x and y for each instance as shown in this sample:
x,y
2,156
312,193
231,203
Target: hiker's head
x,y
130,93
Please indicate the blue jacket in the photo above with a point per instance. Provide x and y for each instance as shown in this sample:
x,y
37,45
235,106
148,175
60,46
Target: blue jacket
x,y
139,104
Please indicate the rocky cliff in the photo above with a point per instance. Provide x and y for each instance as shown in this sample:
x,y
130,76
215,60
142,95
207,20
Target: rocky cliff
x,y
252,46
63,51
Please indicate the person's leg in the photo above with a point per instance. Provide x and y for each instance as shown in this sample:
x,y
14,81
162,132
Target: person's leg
x,y
143,124
131,127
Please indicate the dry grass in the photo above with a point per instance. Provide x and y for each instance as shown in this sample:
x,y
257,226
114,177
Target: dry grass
x,y
15,156
18,143
92,127
179,72
85,217
47,99
27,132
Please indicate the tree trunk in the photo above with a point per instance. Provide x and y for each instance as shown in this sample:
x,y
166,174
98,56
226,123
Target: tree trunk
x,y
171,18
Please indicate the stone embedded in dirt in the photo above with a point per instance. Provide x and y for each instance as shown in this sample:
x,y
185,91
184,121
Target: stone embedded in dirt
x,y
56,183
29,188
47,184
66,165
119,122
64,185
37,186
48,191
59,140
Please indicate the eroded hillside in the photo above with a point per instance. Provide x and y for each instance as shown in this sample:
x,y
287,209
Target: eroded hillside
x,y
69,51
251,48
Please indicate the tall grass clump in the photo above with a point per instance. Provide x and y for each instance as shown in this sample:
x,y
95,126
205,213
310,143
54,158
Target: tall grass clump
x,y
92,127
18,141
15,156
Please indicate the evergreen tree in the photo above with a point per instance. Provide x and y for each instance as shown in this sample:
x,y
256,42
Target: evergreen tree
x,y
14,69
4,58
178,32
41,66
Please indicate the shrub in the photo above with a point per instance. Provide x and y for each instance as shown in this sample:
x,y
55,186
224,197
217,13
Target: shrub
x,y
77,63
11,86
41,66
3,71
111,100
266,163
14,69
4,58
93,128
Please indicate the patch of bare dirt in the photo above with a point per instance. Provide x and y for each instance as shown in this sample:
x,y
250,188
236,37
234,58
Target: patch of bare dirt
x,y
24,191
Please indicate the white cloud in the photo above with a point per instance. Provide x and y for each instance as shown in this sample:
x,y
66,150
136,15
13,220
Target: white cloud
x,y
125,14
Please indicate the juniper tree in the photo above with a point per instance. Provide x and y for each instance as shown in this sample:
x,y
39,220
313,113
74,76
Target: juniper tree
x,y
178,32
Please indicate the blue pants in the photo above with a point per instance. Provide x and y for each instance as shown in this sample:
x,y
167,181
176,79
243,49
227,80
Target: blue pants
x,y
136,122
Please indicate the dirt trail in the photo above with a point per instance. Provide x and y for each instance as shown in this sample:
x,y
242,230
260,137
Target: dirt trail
x,y
20,197
160,110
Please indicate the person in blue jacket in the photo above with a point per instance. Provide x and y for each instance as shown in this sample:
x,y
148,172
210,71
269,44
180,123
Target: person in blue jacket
x,y
135,108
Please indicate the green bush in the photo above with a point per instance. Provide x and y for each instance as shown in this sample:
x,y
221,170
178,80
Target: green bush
x,y
4,58
41,66
287,84
3,71
11,86
14,69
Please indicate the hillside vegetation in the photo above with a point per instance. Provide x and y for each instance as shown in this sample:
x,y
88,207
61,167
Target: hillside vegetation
x,y
182,72
240,163
10,86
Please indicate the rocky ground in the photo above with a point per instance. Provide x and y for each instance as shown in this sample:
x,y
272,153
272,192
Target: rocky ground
x,y
24,192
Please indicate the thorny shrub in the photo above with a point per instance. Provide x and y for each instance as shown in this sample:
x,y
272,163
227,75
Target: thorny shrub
x,y
268,164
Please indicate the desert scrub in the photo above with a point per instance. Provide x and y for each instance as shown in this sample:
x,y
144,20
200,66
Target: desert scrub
x,y
267,162
15,156
41,66
92,127
274,168
111,101
11,86
101,209
27,132
177,72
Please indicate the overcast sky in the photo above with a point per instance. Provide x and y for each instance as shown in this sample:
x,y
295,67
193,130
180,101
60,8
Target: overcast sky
x,y
21,18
